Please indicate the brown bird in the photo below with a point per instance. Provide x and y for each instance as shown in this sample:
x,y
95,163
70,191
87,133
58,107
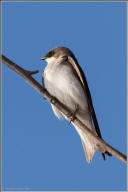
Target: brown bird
x,y
64,79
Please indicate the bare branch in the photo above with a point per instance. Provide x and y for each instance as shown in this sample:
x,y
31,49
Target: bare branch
x,y
27,75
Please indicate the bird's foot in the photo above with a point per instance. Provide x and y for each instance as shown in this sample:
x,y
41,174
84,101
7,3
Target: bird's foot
x,y
73,114
52,100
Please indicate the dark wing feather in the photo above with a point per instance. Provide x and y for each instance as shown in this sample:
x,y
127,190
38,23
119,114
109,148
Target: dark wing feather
x,y
84,83
86,88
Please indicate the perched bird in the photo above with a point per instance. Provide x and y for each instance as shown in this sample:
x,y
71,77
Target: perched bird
x,y
64,79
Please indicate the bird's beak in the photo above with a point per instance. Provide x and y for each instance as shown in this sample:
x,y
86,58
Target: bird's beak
x,y
42,58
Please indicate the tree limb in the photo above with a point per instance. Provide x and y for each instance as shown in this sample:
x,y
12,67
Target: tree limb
x,y
27,75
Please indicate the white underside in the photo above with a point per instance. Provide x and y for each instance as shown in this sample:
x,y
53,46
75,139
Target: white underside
x,y
62,84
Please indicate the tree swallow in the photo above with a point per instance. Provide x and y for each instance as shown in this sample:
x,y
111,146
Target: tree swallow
x,y
64,79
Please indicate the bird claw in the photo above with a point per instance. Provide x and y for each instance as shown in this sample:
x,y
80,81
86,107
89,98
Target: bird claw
x,y
52,100
73,114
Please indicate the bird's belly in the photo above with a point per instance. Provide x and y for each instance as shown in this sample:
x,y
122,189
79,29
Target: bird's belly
x,y
64,85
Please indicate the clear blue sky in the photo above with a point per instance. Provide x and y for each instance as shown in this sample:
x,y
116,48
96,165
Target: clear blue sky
x,y
39,151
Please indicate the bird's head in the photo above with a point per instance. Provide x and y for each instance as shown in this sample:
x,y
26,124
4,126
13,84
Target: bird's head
x,y
57,53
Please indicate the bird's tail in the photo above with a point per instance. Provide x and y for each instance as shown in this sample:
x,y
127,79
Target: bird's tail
x,y
88,144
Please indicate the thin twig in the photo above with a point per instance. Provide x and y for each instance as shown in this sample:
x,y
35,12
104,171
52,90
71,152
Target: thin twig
x,y
27,75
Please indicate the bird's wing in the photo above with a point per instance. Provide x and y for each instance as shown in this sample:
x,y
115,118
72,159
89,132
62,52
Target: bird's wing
x,y
84,84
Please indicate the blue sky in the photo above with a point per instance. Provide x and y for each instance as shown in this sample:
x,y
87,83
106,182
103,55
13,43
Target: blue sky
x,y
39,151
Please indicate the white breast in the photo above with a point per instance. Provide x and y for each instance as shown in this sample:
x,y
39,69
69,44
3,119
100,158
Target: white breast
x,y
61,82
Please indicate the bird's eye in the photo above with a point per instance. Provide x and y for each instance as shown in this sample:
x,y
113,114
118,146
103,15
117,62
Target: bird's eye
x,y
50,54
